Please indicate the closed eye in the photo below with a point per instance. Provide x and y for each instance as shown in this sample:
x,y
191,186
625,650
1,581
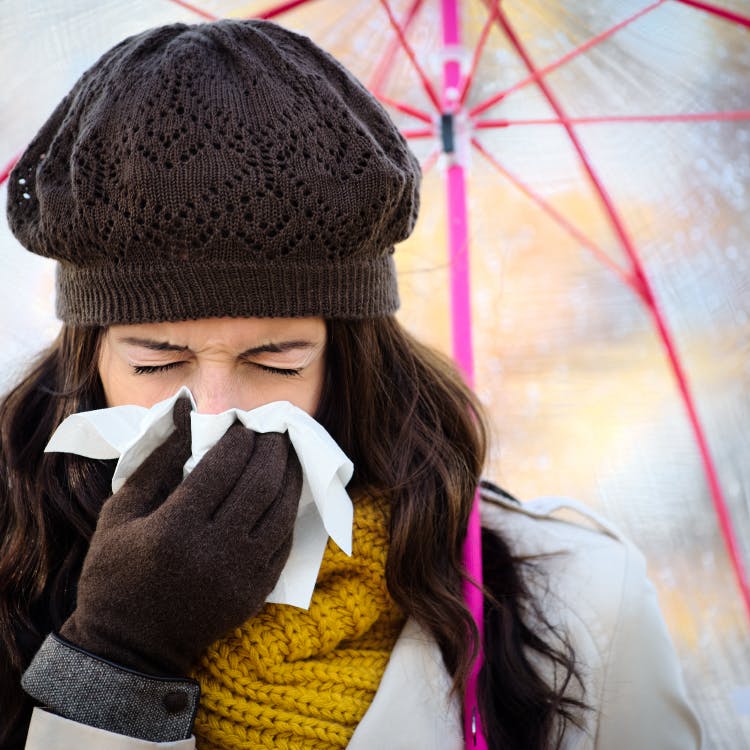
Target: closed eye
x,y
150,369
146,369
277,370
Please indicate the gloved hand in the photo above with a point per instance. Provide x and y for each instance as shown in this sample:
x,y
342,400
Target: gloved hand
x,y
172,565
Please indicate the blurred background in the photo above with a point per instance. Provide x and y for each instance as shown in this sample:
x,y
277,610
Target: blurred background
x,y
568,361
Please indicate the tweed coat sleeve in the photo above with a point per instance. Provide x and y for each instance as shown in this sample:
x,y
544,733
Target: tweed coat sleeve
x,y
95,703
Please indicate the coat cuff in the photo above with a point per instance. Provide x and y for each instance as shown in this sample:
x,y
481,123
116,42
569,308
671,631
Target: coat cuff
x,y
90,690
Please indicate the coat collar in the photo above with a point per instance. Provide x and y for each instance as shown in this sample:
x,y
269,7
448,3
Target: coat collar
x,y
413,706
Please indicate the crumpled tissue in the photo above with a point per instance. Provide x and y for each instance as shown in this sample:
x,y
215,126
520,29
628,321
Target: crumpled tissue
x,y
130,433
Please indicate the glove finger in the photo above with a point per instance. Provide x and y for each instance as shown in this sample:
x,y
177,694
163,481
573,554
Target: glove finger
x,y
278,559
159,473
181,416
277,523
167,462
273,564
181,448
251,585
261,522
214,477
260,484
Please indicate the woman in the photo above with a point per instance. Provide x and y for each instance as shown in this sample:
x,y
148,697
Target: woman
x,y
223,200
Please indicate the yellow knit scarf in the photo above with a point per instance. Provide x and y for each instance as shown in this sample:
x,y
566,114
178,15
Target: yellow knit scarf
x,y
294,678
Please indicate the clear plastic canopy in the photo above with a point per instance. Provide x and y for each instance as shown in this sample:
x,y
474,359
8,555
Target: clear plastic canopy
x,y
569,362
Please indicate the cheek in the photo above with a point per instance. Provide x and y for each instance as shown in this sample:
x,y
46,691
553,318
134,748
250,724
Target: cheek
x,y
306,398
304,393
314,391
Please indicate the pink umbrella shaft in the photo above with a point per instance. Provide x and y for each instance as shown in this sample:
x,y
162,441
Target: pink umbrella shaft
x,y
473,596
463,354
458,238
463,351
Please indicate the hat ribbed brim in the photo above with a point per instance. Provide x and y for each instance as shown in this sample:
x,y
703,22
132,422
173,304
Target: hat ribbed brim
x,y
109,295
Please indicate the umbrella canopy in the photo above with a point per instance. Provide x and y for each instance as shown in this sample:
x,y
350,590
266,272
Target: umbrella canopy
x,y
603,148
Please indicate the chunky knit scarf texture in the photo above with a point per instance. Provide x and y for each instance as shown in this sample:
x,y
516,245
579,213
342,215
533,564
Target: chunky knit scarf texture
x,y
294,678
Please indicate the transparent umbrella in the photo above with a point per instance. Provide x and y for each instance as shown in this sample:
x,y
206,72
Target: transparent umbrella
x,y
601,152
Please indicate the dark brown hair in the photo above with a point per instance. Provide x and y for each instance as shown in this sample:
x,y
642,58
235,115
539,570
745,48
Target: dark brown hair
x,y
417,437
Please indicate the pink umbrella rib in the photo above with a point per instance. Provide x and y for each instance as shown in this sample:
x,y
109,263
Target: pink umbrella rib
x,y
410,54
577,234
742,114
383,68
195,9
491,18
8,168
406,108
729,15
277,10
717,495
430,161
495,98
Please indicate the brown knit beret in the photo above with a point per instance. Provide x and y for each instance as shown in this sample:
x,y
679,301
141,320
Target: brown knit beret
x,y
221,169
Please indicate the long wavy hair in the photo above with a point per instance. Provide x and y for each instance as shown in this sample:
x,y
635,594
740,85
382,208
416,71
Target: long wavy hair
x,y
417,436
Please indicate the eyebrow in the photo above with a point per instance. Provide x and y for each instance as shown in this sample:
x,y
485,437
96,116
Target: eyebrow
x,y
165,346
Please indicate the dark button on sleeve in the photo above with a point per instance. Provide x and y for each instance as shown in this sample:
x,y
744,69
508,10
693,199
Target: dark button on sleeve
x,y
175,701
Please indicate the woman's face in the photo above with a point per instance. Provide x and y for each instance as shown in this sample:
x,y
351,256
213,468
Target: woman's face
x,y
225,362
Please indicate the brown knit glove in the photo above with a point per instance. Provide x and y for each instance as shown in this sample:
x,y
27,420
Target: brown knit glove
x,y
172,565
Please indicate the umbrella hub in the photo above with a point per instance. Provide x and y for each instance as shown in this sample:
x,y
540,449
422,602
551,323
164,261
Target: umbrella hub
x,y
453,129
447,134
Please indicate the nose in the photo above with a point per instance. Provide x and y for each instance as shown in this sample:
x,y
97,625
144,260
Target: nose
x,y
215,393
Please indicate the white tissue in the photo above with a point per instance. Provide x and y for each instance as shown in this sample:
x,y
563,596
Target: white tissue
x,y
131,433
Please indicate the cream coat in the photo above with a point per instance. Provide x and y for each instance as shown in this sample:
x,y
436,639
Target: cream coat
x,y
596,588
